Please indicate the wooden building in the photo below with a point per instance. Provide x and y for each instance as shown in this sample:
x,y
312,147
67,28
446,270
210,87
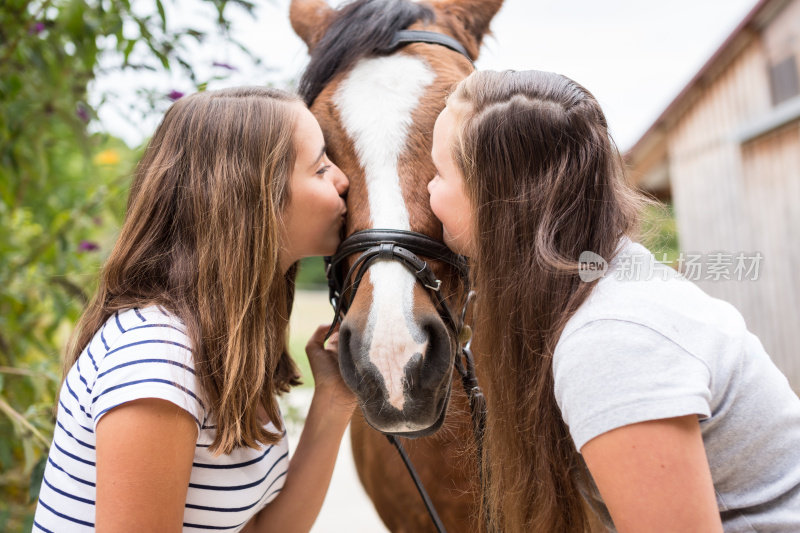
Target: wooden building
x,y
726,152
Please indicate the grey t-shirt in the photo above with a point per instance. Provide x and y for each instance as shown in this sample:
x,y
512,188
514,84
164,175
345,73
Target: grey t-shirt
x,y
649,344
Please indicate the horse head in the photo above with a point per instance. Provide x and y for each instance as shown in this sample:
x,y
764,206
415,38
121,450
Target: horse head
x,y
376,101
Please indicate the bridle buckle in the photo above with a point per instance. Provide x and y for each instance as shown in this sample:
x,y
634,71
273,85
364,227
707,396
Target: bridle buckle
x,y
436,286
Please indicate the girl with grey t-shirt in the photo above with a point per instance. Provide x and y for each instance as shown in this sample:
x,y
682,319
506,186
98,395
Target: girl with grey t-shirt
x,y
638,404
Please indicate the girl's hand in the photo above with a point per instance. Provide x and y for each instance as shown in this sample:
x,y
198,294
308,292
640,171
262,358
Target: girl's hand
x,y
311,465
325,368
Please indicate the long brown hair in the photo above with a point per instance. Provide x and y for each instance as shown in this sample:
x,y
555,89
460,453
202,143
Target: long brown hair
x,y
201,238
547,183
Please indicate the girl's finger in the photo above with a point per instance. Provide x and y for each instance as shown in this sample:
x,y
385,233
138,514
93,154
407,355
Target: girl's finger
x,y
333,342
317,339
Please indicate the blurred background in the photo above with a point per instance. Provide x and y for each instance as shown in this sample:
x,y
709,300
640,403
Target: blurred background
x,y
701,96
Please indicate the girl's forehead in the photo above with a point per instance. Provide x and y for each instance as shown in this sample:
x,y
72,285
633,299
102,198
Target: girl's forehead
x,y
443,131
443,122
308,134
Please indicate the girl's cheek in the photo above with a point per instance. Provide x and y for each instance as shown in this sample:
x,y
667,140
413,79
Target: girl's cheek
x,y
432,202
435,202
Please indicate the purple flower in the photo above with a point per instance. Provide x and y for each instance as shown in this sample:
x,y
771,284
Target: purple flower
x,y
224,65
82,112
88,246
36,29
174,95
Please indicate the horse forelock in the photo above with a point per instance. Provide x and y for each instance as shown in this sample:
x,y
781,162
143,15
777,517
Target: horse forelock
x,y
357,30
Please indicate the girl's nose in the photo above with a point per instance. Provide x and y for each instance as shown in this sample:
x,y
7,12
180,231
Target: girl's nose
x,y
340,181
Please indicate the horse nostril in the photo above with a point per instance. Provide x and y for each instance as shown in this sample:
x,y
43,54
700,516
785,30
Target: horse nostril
x,y
346,351
436,364
414,371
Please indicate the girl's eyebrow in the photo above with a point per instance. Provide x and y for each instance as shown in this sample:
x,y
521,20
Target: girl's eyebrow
x,y
321,153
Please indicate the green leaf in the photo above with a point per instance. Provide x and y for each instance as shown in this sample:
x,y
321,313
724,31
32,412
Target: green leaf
x,y
5,515
162,14
160,55
6,453
128,49
37,474
73,19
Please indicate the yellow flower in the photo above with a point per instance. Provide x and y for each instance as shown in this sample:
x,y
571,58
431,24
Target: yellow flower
x,y
107,157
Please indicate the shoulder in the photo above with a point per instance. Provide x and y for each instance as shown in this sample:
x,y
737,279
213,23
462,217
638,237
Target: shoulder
x,y
627,343
612,372
147,355
638,289
144,336
147,327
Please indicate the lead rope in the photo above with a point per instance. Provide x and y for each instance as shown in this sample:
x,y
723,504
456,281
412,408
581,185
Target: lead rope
x,y
477,401
477,407
437,522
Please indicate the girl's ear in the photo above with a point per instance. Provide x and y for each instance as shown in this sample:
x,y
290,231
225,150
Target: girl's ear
x,y
474,15
310,20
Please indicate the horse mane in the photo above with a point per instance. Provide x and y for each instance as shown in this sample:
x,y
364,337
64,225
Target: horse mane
x,y
358,29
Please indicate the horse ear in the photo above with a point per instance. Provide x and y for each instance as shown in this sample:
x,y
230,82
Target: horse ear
x,y
310,19
475,15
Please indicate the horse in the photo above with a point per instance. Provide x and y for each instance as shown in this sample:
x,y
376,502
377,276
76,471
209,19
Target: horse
x,y
376,102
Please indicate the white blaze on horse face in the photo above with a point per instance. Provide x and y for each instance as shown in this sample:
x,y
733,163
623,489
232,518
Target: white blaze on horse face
x,y
376,101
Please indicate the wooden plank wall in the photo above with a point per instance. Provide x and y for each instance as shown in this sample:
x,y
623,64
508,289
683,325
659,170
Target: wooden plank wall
x,y
771,171
723,204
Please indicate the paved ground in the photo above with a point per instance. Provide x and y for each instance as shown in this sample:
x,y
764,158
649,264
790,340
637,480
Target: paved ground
x,y
347,508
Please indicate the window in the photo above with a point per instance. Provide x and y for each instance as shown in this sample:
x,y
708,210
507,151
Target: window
x,y
784,80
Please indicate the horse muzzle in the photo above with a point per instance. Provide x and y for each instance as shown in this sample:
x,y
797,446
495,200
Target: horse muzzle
x,y
408,399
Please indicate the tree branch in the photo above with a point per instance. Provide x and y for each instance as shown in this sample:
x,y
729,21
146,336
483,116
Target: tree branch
x,y
11,413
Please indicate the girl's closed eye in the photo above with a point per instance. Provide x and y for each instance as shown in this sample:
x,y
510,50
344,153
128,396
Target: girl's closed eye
x,y
323,170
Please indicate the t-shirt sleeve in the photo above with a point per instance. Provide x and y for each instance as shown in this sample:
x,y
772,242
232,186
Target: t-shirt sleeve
x,y
147,362
611,373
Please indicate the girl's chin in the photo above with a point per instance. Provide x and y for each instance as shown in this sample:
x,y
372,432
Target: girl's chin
x,y
455,245
450,242
332,246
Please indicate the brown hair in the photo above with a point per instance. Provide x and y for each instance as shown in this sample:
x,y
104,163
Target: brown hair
x,y
547,183
201,238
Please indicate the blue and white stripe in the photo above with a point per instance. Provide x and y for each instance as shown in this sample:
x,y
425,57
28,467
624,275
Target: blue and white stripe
x,y
144,353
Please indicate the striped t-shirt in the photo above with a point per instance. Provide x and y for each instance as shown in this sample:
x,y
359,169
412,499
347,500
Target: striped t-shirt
x,y
144,353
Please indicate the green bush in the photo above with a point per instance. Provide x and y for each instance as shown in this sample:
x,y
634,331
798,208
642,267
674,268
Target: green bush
x,y
660,233
62,195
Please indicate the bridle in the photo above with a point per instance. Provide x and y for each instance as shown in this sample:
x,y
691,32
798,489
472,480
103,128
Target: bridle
x,y
406,247
402,246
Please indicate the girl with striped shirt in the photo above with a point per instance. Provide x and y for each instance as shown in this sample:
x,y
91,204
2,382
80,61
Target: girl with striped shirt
x,y
168,416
